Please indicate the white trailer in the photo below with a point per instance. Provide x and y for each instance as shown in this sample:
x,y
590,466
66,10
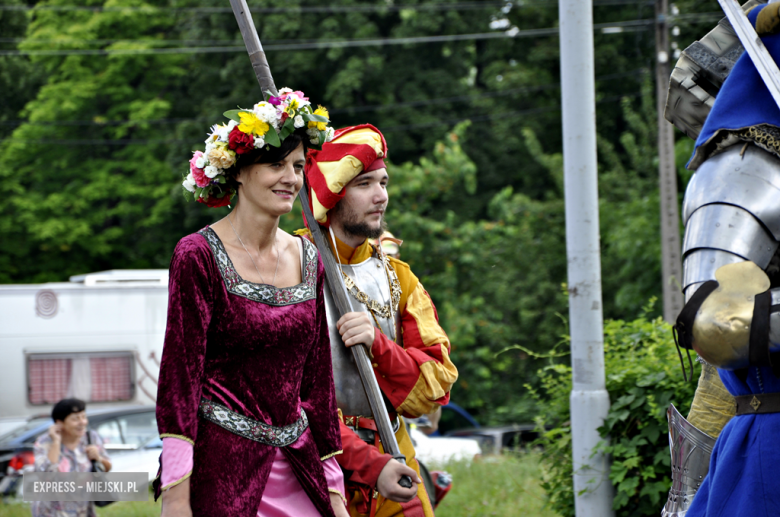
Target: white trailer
x,y
98,337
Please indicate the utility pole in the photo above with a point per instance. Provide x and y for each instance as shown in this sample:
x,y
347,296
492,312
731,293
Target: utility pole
x,y
671,263
589,400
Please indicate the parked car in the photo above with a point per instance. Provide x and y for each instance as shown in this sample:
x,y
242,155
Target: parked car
x,y
456,422
493,440
129,435
441,450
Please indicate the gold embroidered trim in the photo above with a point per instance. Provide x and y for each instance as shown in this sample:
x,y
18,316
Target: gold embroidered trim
x,y
329,456
171,485
385,310
180,437
334,491
763,135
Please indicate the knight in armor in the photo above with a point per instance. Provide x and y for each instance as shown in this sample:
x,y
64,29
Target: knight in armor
x,y
731,318
394,315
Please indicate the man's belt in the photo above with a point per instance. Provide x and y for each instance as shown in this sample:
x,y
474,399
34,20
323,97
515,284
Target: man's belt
x,y
252,429
367,422
758,403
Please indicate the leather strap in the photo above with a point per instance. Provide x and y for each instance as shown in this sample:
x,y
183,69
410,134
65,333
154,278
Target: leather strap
x,y
684,323
759,333
366,422
758,403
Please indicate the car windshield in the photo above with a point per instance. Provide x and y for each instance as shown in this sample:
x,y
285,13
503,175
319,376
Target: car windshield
x,y
23,429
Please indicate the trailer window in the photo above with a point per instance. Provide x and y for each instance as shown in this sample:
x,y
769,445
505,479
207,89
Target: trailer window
x,y
92,377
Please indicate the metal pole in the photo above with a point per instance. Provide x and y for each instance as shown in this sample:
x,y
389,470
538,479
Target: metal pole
x,y
589,400
671,262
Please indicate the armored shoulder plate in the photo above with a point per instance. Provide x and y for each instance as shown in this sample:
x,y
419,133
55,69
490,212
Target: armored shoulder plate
x,y
749,180
699,74
731,213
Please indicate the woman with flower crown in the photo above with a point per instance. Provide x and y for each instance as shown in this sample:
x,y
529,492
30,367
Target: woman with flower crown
x,y
246,405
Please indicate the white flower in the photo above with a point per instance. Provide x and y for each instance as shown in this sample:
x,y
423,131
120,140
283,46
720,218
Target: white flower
x,y
201,162
259,142
189,183
315,141
209,146
329,133
267,113
231,125
285,90
211,171
298,121
313,132
302,103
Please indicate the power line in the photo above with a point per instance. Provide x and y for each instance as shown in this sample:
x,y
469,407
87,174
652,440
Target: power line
x,y
461,6
291,46
513,33
503,115
390,129
357,109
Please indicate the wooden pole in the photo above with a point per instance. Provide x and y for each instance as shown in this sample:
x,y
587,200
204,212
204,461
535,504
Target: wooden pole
x,y
671,264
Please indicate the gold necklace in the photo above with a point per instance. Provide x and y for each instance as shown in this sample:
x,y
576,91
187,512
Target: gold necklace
x,y
384,311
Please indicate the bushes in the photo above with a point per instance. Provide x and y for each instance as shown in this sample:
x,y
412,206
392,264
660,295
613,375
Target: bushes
x,y
643,376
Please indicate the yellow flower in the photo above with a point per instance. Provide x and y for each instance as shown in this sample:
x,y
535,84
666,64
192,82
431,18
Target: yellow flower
x,y
250,124
292,106
323,112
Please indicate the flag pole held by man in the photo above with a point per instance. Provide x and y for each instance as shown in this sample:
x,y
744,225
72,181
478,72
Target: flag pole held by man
x,y
395,319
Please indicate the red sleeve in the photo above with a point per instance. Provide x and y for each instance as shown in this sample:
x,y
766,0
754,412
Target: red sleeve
x,y
363,462
417,377
190,300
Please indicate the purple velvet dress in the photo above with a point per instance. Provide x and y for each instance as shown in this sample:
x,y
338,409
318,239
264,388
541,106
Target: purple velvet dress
x,y
261,351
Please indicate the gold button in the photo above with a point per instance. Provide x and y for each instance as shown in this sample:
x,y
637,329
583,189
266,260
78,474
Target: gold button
x,y
375,365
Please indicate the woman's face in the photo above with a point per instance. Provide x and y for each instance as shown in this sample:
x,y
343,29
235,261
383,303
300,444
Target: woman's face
x,y
75,425
272,187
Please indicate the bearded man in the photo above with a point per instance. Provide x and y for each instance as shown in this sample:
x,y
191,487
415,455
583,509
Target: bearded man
x,y
396,321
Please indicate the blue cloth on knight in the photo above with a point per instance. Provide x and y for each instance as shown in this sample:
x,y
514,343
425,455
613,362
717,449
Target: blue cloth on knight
x,y
743,477
743,101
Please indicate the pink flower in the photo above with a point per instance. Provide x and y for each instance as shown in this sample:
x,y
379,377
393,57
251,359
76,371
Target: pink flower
x,y
299,94
199,175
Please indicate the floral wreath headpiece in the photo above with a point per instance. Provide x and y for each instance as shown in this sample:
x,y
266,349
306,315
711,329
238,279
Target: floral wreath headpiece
x,y
267,124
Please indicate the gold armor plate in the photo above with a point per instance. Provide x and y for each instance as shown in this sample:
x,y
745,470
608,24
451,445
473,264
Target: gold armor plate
x,y
721,329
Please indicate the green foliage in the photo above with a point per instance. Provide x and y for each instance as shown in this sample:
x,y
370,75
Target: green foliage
x,y
643,378
94,147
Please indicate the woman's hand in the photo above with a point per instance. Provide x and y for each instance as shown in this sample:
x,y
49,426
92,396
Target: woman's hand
x,y
93,453
176,500
55,433
356,328
337,503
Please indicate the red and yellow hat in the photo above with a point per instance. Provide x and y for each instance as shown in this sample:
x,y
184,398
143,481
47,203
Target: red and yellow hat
x,y
353,151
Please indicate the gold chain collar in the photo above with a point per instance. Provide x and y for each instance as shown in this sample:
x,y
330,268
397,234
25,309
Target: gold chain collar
x,y
374,306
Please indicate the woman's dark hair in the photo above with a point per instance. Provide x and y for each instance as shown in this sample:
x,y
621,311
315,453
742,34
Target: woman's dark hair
x,y
268,154
65,407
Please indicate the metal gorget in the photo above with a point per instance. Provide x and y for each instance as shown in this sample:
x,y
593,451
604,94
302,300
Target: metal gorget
x,y
371,278
691,450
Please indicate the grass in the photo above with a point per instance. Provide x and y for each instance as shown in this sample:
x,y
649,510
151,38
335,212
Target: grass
x,y
505,485
123,509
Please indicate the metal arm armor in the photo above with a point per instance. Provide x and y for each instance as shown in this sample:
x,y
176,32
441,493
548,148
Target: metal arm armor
x,y
732,215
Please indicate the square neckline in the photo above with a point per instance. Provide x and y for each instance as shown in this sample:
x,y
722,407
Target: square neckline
x,y
265,293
